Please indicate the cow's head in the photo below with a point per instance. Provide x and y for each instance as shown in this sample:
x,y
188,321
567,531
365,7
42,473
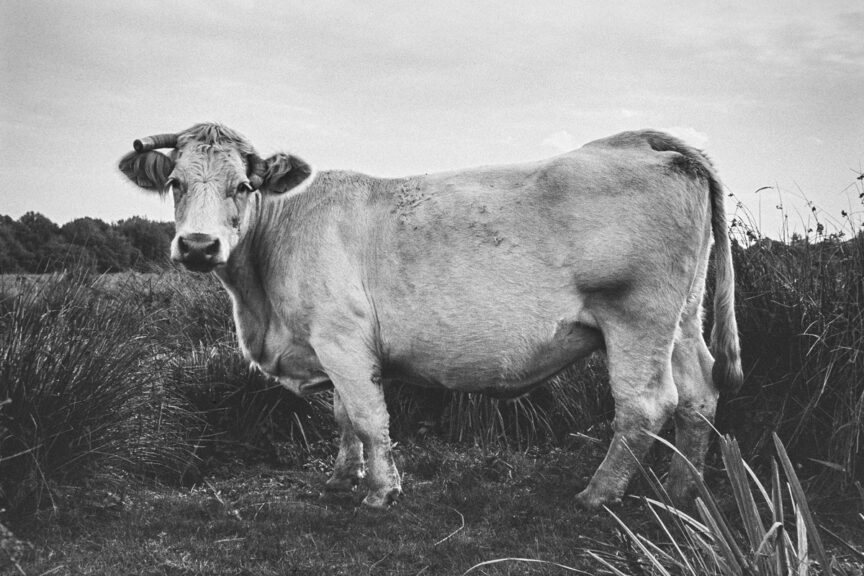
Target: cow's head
x,y
215,176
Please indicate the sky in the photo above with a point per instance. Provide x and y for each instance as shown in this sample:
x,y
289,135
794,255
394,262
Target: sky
x,y
772,90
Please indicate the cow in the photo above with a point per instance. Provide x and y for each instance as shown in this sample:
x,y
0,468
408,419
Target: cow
x,y
488,279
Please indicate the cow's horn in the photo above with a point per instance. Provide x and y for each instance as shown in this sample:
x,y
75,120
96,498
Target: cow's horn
x,y
153,142
257,169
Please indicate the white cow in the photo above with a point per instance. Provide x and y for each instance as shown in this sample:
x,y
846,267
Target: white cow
x,y
487,279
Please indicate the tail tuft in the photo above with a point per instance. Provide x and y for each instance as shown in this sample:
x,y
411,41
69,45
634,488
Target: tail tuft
x,y
728,376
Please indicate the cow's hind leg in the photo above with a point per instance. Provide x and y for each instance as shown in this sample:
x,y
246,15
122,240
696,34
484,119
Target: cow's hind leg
x,y
640,370
697,402
348,469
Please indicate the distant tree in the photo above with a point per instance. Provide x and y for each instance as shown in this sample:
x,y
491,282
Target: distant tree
x,y
112,251
151,240
35,244
13,256
41,237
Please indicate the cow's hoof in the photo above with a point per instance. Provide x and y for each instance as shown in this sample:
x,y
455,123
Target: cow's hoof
x,y
382,499
593,499
342,484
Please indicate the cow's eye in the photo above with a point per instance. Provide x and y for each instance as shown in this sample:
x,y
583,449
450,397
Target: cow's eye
x,y
173,184
244,188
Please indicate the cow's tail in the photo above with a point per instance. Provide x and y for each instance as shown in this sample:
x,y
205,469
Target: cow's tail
x,y
727,373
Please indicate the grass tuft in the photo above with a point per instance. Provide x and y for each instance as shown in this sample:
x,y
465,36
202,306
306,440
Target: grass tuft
x,y
80,394
756,536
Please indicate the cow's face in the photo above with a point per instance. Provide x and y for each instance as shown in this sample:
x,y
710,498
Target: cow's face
x,y
214,176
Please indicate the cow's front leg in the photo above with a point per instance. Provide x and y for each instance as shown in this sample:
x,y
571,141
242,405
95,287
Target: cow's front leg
x,y
355,377
349,469
365,406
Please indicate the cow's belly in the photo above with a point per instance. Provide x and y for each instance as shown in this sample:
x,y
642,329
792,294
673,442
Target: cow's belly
x,y
493,362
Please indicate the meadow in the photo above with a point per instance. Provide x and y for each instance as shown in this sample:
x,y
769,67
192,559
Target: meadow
x,y
135,439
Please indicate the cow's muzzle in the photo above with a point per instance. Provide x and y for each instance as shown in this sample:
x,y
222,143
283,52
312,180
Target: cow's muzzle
x,y
198,252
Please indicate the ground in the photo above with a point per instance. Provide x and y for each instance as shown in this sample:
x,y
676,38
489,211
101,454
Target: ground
x,y
460,508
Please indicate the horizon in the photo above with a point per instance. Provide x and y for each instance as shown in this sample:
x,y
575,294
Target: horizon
x,y
772,92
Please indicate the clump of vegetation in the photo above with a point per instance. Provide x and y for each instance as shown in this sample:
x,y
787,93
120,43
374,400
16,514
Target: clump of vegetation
x,y
239,405
801,318
245,409
577,400
113,376
80,393
771,532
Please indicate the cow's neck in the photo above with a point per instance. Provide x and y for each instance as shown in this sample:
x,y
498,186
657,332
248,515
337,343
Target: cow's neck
x,y
246,278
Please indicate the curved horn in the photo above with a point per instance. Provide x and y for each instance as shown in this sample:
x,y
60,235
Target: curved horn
x,y
153,142
257,169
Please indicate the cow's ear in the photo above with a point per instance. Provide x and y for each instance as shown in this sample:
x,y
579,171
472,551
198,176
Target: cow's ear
x,y
148,170
284,172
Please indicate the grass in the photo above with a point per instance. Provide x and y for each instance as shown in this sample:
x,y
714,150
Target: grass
x,y
801,319
758,537
461,508
80,395
465,510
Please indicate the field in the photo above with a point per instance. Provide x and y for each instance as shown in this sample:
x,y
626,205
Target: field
x,y
134,439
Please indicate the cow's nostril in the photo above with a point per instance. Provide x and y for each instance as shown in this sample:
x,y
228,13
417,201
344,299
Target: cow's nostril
x,y
213,248
198,248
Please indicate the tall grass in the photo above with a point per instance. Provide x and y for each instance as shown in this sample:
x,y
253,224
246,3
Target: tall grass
x,y
240,405
801,318
577,400
80,394
129,375
770,531
243,408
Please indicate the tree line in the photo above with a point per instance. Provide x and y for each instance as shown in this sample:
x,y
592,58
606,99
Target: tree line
x,y
35,244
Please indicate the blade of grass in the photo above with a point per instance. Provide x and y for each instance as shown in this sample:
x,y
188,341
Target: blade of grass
x,y
710,504
804,509
527,560
674,542
769,535
606,563
635,539
735,562
741,490
782,558
682,515
803,559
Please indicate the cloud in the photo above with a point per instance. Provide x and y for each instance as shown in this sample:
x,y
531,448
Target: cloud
x,y
562,141
690,135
